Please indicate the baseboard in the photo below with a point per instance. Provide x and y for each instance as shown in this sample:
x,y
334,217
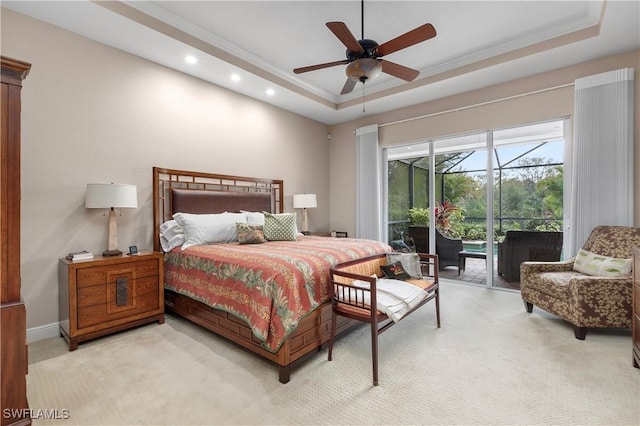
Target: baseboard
x,y
42,332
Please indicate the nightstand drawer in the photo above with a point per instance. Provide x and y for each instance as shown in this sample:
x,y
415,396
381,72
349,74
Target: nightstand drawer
x,y
100,307
100,275
100,295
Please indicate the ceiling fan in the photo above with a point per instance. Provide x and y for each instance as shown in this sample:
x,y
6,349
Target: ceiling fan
x,y
363,56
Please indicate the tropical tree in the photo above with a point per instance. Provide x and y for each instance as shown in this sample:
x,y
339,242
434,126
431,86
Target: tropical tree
x,y
550,189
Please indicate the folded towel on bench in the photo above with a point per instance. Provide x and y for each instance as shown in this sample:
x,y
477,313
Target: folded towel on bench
x,y
395,298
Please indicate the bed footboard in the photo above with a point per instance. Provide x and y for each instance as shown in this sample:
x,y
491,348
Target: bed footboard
x,y
312,333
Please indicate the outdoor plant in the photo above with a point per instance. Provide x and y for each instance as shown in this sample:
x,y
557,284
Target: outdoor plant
x,y
419,216
448,218
444,212
474,231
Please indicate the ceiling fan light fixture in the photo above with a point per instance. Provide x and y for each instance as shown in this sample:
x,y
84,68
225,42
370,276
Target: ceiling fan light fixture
x,y
363,69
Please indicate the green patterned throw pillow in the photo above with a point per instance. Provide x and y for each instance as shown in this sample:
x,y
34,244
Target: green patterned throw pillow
x,y
250,234
280,227
602,266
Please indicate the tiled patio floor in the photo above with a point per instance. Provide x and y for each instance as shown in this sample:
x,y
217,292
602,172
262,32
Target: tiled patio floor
x,y
475,272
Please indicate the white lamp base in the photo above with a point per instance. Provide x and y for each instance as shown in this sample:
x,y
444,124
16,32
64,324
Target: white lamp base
x,y
112,248
305,222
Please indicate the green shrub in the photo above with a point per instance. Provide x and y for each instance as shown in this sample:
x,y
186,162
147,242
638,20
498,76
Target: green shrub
x,y
419,216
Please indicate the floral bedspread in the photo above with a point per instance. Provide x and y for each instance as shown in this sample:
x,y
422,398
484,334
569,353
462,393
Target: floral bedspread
x,y
271,286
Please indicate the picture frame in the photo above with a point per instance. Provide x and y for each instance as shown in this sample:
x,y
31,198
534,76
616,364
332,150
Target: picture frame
x,y
133,250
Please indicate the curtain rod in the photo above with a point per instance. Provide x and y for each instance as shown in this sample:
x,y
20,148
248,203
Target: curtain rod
x,y
406,120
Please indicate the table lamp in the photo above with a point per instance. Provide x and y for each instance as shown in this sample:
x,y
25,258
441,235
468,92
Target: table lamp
x,y
111,196
304,202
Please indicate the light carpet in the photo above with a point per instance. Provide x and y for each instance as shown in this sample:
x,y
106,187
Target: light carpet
x,y
490,363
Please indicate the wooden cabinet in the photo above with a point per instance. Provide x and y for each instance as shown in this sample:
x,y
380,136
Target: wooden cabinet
x,y
109,294
636,307
13,323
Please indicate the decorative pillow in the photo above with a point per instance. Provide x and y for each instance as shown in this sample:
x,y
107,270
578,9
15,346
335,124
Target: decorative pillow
x,y
250,234
280,227
171,235
209,228
602,266
395,271
410,263
254,218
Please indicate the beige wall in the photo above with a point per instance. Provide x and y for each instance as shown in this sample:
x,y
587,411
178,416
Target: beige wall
x,y
92,113
95,114
549,95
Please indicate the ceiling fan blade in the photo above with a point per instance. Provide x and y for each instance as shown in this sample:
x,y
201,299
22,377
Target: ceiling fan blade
x,y
348,86
400,71
319,66
415,36
344,35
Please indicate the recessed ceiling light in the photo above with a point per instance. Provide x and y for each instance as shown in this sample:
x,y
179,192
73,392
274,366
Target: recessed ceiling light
x,y
191,59
235,77
271,92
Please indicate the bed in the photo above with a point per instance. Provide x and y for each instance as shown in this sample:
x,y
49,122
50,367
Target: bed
x,y
271,298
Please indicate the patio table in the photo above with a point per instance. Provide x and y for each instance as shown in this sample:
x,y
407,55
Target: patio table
x,y
462,258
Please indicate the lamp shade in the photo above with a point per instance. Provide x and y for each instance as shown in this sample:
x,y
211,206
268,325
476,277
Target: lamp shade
x,y
363,69
304,201
107,195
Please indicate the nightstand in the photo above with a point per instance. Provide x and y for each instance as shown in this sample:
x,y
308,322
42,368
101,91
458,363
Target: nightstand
x,y
334,234
109,294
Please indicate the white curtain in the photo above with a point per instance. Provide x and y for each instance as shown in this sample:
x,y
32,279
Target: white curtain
x,y
368,211
602,175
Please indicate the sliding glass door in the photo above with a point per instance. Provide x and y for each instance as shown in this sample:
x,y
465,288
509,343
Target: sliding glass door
x,y
491,212
528,203
461,206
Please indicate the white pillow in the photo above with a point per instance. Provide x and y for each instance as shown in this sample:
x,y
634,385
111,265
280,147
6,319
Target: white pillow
x,y
254,218
209,228
171,235
602,266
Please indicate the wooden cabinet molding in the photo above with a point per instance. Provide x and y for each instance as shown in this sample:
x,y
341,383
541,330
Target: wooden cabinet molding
x,y
13,324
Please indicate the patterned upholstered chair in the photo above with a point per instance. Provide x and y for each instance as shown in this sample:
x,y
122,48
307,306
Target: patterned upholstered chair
x,y
586,301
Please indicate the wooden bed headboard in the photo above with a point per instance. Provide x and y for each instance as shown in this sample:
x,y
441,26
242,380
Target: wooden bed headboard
x,y
194,192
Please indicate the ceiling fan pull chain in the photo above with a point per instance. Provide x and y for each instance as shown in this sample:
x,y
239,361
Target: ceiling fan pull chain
x,y
363,97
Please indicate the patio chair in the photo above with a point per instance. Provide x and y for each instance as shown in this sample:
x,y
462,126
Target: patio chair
x,y
447,248
520,246
586,300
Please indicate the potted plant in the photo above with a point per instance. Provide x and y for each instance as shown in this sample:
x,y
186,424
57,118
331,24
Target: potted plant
x,y
445,212
419,217
419,228
419,223
447,248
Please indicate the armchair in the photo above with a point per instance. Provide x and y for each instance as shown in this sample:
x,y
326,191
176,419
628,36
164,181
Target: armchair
x,y
447,248
585,301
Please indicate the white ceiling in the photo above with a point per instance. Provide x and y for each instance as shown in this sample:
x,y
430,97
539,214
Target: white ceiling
x,y
479,43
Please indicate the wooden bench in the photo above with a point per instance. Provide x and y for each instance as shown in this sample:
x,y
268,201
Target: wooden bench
x,y
355,301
